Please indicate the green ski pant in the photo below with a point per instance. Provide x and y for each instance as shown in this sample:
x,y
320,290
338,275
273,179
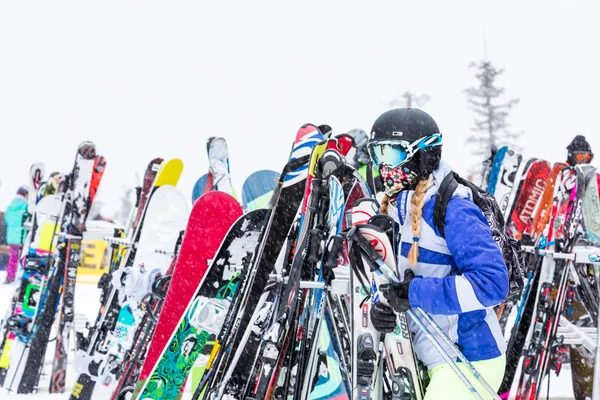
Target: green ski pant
x,y
445,384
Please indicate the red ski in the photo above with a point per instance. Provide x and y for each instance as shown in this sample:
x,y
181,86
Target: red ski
x,y
210,220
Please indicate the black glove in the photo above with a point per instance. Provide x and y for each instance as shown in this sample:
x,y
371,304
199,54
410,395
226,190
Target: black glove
x,y
383,317
396,294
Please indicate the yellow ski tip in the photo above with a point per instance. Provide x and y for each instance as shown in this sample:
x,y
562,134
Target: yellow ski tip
x,y
169,172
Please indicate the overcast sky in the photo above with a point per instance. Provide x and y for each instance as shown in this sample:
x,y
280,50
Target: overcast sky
x,y
145,79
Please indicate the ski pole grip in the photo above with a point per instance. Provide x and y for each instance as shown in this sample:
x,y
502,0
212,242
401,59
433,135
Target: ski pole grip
x,y
335,248
314,240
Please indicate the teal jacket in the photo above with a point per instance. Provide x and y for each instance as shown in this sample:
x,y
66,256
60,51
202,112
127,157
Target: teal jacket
x,y
14,220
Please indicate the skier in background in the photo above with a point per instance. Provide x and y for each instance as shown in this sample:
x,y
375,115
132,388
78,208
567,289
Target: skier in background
x,y
4,249
14,218
361,158
457,280
579,151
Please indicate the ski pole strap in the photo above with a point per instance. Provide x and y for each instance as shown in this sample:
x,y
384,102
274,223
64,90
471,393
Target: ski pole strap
x,y
355,258
368,250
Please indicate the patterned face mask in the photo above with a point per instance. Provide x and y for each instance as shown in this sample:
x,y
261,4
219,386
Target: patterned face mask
x,y
396,179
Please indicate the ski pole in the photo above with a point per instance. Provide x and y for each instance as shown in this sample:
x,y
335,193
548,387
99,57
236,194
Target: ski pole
x,y
383,270
460,355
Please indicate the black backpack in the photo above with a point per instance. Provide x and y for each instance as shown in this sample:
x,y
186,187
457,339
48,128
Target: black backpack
x,y
510,247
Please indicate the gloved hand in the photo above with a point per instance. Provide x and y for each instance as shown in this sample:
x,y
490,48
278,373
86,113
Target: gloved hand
x,y
383,317
396,294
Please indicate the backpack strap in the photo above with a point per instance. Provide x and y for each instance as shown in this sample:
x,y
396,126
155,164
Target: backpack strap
x,y
447,188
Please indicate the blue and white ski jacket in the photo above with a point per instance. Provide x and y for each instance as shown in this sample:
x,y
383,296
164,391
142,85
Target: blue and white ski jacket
x,y
458,279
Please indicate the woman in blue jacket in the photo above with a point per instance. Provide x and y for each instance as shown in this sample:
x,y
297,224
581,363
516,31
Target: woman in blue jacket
x,y
459,279
14,230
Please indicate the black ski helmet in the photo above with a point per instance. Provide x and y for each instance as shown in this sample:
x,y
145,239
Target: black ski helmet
x,y
579,145
409,124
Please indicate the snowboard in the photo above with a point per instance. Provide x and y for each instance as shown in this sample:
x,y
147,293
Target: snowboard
x,y
205,316
211,217
201,187
165,217
258,189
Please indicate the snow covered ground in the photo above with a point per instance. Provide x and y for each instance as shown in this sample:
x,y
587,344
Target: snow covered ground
x,y
87,301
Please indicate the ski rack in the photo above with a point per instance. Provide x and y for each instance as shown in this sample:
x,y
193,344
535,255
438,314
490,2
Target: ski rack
x,y
64,235
336,286
580,254
588,337
120,241
165,252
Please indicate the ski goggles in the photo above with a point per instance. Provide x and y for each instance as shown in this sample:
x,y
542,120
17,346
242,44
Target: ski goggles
x,y
397,152
583,157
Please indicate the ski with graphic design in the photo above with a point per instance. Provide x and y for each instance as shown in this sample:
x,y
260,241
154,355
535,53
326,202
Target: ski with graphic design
x,y
531,187
365,338
516,187
36,176
285,205
377,239
258,189
200,326
504,176
495,170
524,201
212,216
324,378
24,372
88,173
218,177
101,334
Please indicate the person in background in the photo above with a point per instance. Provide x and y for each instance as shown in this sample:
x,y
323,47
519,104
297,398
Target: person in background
x,y
4,250
579,151
14,218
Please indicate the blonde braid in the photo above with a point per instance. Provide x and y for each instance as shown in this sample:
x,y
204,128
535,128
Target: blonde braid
x,y
418,201
385,202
